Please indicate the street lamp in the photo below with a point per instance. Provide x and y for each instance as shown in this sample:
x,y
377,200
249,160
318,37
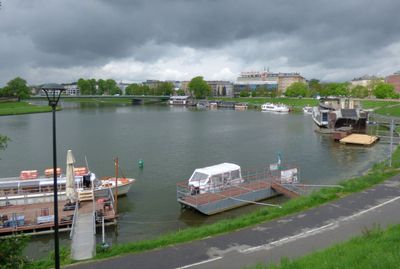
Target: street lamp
x,y
53,93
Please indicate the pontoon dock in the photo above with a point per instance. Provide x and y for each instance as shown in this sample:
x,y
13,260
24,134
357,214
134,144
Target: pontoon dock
x,y
257,186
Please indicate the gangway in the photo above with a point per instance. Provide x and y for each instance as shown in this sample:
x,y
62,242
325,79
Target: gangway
x,y
84,229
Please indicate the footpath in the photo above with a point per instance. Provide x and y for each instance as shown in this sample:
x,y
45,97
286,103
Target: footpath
x,y
290,236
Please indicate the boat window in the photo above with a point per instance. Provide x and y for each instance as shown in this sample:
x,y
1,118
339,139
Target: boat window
x,y
216,179
235,174
324,116
226,177
197,176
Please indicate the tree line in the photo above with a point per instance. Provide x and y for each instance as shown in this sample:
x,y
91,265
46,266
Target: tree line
x,y
375,88
199,88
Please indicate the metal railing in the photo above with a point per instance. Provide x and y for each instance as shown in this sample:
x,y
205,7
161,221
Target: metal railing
x,y
74,220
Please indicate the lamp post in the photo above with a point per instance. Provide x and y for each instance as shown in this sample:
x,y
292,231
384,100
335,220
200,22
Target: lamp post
x,y
53,93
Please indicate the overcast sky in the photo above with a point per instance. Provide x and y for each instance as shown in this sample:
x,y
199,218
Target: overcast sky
x,y
134,40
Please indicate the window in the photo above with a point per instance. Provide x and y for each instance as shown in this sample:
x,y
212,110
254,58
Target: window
x,y
216,179
199,177
235,174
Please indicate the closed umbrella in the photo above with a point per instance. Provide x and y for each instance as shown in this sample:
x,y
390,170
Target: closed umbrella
x,y
70,181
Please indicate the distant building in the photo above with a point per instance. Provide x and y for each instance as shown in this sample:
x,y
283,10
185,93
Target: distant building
x,y
287,79
394,80
152,83
218,87
221,88
271,81
71,88
122,86
364,81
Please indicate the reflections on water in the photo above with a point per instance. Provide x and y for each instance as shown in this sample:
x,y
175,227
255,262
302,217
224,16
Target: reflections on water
x,y
173,141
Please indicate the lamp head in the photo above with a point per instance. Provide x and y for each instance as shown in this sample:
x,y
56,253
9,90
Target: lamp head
x,y
53,93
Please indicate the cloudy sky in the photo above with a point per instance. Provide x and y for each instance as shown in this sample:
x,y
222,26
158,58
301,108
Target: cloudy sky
x,y
134,40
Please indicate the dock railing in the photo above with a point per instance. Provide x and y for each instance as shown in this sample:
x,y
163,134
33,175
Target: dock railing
x,y
74,220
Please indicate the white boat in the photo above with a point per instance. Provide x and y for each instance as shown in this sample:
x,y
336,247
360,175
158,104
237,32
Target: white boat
x,y
240,106
308,110
275,107
214,178
32,188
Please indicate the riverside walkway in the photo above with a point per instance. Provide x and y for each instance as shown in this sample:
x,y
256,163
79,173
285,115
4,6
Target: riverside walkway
x,y
290,236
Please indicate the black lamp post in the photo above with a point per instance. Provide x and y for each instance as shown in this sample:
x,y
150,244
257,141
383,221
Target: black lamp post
x,y
53,93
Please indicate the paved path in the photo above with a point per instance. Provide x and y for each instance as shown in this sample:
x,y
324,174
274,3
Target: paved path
x,y
290,236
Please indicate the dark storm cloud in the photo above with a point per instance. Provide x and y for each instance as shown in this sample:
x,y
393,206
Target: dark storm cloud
x,y
91,33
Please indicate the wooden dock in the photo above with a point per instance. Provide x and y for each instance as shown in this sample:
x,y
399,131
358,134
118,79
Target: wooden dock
x,y
38,218
359,139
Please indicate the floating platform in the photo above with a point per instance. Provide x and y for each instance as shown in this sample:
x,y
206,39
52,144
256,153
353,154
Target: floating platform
x,y
236,196
38,218
359,139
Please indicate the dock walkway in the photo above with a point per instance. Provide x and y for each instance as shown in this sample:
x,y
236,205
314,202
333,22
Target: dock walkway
x,y
83,235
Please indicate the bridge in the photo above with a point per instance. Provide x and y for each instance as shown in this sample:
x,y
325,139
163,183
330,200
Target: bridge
x,y
136,99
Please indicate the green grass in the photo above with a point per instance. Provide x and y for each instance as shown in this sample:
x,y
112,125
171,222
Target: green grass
x,y
377,174
375,249
17,108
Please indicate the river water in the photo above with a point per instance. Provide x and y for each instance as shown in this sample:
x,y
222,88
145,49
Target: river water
x,y
172,142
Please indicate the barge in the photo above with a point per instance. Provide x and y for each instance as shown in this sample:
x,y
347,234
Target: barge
x,y
334,113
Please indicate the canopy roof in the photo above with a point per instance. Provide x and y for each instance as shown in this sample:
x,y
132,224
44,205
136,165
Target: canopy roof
x,y
218,168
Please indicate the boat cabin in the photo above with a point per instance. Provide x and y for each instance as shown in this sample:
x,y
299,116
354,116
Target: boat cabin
x,y
179,100
215,178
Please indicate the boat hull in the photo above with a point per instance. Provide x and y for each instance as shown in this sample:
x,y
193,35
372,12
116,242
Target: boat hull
x,y
31,198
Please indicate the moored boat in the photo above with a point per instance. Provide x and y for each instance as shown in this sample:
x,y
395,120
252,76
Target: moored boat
x,y
334,113
275,107
214,178
308,109
31,188
240,106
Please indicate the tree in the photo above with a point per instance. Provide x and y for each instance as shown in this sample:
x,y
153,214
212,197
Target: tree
x,y
245,92
136,89
314,87
11,254
260,91
335,89
297,89
101,86
84,86
180,92
17,88
199,88
384,90
359,91
112,88
164,88
87,86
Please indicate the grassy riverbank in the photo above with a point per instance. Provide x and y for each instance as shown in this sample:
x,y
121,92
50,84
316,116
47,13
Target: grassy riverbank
x,y
17,108
378,173
374,249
